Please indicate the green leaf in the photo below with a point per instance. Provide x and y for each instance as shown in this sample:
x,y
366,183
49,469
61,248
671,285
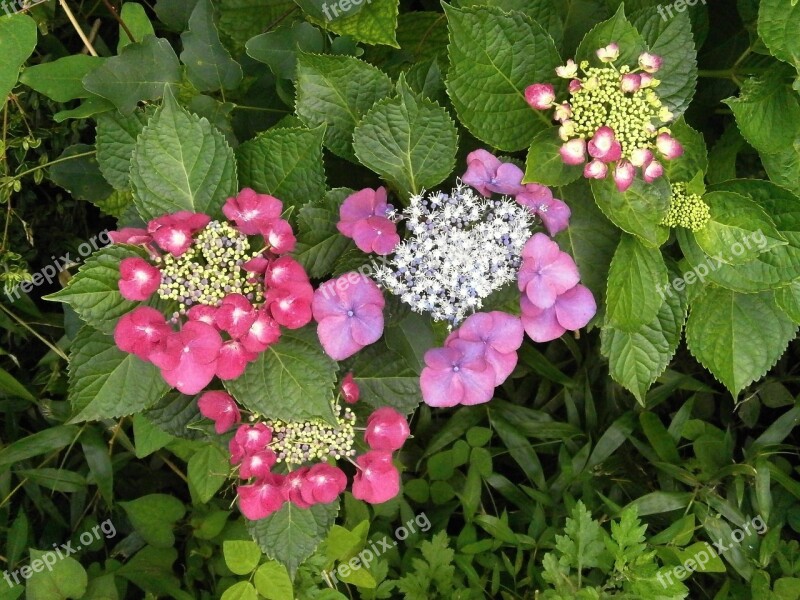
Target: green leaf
x,y
319,243
774,268
93,105
80,176
151,570
65,579
737,222
286,163
494,56
10,386
386,379
105,382
694,159
181,162
672,40
374,23
635,282
175,13
57,480
292,534
616,29
154,517
148,437
242,590
738,337
140,72
777,27
137,21
241,556
722,158
636,358
209,65
292,380
61,80
116,139
639,210
240,20
18,36
94,293
337,91
543,163
36,444
280,48
581,546
788,299
410,141
207,471
272,581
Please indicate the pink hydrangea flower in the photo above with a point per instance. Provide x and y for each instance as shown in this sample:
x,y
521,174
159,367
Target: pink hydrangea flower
x,y
188,358
173,232
349,313
350,389
641,157
290,305
258,465
546,271
235,315
221,408
249,440
608,54
573,152
650,63
261,499
501,335
141,331
284,272
457,374
233,360
553,212
624,174
571,311
604,146
631,82
387,429
322,484
487,174
595,169
202,312
376,234
138,278
262,333
252,211
279,235
540,95
293,487
130,235
377,479
653,171
360,206
668,146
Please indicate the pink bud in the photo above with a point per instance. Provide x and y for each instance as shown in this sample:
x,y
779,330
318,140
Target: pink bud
x,y
377,479
624,174
575,85
604,145
540,95
641,157
573,152
645,80
350,389
631,82
668,146
653,171
608,54
650,63
387,429
595,170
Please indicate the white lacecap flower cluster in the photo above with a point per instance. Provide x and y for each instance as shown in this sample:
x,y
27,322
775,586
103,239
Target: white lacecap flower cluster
x,y
460,248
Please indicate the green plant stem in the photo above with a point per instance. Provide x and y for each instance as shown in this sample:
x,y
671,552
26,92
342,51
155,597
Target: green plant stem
x,y
53,162
52,347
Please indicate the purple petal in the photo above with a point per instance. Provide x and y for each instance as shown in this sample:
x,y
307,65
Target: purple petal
x,y
575,308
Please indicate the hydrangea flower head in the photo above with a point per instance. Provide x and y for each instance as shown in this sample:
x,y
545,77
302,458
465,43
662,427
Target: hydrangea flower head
x,y
501,335
173,233
686,209
322,484
572,310
615,114
546,271
251,211
457,374
488,174
262,498
300,442
221,408
141,331
188,358
553,212
377,479
138,278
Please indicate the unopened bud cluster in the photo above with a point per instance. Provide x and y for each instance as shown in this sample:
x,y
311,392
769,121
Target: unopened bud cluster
x,y
210,269
686,209
299,442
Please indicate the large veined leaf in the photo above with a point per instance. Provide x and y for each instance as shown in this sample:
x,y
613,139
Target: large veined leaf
x,y
617,29
738,337
240,20
181,162
636,285
17,40
409,141
777,27
61,80
209,65
286,163
292,534
77,171
544,165
494,56
672,40
319,243
386,379
66,579
105,382
94,293
337,91
140,72
776,267
374,22
279,48
116,138
292,380
738,230
637,358
788,299
639,210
